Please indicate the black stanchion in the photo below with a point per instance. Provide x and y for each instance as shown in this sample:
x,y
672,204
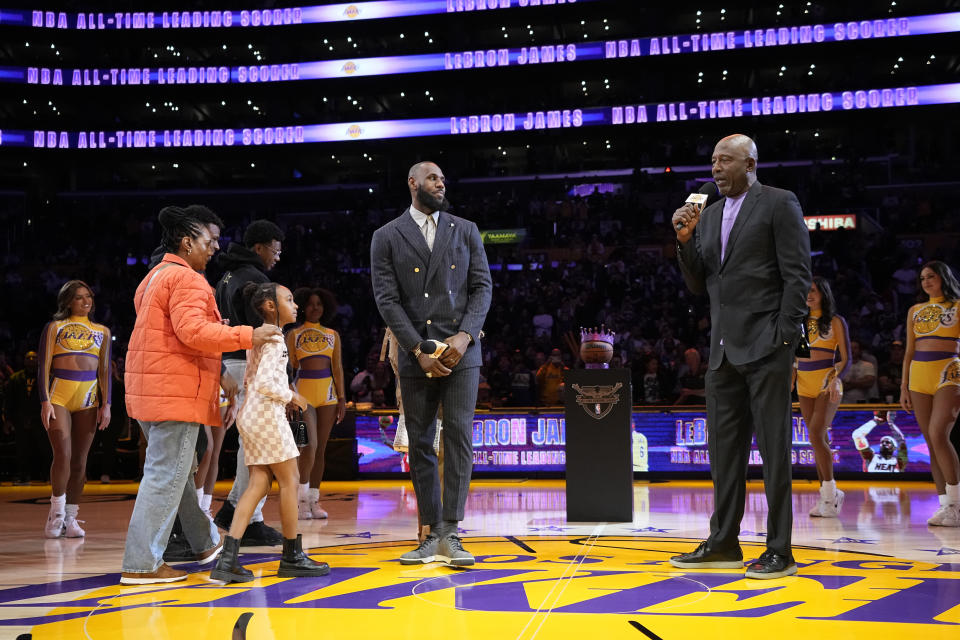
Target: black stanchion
x,y
599,445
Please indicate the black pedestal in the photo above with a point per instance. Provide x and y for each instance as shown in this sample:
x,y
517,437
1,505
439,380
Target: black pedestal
x,y
598,403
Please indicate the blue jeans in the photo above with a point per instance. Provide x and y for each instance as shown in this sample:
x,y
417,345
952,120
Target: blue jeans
x,y
165,492
237,369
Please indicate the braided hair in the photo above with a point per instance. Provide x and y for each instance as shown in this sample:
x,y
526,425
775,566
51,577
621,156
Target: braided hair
x,y
178,223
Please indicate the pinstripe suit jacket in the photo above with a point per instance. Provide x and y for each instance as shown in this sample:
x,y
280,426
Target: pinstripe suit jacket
x,y
424,294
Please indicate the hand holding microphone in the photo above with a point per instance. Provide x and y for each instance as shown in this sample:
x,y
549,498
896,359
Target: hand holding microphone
x,y
428,355
685,218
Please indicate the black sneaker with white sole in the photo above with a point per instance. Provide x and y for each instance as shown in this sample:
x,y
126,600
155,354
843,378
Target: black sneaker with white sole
x,y
771,565
703,557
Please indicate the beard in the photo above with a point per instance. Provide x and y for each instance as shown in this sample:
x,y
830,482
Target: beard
x,y
434,203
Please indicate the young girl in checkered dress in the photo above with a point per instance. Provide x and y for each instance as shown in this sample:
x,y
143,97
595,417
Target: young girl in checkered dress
x,y
269,448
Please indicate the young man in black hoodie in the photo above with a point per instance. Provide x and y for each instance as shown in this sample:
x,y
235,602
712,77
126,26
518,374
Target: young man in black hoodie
x,y
245,263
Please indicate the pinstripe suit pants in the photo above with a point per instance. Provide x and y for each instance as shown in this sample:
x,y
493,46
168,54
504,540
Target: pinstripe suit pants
x,y
457,393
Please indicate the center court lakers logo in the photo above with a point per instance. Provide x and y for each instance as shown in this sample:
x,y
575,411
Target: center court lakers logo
x,y
78,337
351,11
349,68
518,588
311,341
354,131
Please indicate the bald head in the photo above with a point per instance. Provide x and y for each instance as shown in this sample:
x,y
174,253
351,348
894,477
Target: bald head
x,y
734,164
427,187
744,143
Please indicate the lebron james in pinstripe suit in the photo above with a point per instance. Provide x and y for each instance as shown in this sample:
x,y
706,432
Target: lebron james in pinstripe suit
x,y
432,283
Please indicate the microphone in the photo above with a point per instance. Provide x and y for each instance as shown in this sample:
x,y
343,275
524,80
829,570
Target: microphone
x,y
699,199
433,348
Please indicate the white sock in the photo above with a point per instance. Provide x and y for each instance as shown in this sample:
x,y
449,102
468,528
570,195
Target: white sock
x,y
943,499
313,494
303,491
200,495
71,511
953,494
828,489
205,501
57,504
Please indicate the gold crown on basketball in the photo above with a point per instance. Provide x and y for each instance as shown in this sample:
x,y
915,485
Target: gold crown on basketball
x,y
596,347
595,335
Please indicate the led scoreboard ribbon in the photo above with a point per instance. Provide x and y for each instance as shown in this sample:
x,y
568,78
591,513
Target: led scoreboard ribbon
x,y
620,115
190,19
483,58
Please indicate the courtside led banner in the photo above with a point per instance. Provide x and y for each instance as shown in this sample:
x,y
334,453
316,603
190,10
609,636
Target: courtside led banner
x,y
191,19
478,124
485,58
862,441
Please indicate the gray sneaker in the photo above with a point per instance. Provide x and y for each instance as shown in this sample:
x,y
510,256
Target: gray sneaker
x,y
451,551
423,554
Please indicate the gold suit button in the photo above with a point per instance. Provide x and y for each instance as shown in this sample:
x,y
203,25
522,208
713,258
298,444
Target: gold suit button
x,y
429,321
416,269
453,266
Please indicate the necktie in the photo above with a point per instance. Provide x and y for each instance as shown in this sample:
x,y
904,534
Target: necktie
x,y
429,230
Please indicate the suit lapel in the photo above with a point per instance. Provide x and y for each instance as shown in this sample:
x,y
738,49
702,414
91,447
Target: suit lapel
x,y
411,232
440,241
746,209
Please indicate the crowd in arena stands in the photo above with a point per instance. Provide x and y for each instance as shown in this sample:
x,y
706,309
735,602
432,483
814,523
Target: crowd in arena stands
x,y
606,258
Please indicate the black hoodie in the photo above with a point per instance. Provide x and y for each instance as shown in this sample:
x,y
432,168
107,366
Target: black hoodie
x,y
241,265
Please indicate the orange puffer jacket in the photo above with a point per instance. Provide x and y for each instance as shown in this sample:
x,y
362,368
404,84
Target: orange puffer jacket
x,y
173,358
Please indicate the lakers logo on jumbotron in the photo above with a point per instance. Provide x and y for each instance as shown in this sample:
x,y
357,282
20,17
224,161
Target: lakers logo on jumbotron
x,y
311,341
352,11
78,337
354,131
349,68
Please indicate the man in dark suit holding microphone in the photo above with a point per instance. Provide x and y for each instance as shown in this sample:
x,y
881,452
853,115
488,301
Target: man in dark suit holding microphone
x,y
432,285
751,254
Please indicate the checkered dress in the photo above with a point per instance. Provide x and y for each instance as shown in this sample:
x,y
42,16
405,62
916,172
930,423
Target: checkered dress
x,y
262,420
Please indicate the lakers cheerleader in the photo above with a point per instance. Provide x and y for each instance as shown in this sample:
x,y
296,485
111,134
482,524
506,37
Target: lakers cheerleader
x,y
315,358
931,381
75,388
819,387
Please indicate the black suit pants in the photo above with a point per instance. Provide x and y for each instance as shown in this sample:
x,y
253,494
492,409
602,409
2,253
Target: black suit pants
x,y
457,393
741,400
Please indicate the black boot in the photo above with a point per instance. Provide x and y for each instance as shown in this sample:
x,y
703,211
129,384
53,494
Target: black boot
x,y
228,566
296,564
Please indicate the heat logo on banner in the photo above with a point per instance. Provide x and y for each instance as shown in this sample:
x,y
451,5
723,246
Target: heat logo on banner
x,y
486,58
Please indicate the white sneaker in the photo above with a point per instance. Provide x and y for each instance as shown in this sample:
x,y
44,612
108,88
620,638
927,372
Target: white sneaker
x,y
815,511
54,527
72,528
936,519
830,508
951,516
303,510
317,511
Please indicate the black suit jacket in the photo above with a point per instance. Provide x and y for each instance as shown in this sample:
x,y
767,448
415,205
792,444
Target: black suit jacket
x,y
758,292
425,294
